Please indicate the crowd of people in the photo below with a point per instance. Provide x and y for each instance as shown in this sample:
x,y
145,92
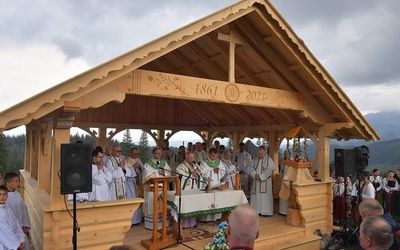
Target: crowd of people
x,y
115,177
366,185
371,202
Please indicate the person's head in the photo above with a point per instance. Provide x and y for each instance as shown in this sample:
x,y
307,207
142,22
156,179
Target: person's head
x,y
390,174
398,171
99,148
212,154
375,172
204,145
199,147
227,155
133,152
190,146
107,150
286,154
156,153
366,176
116,150
375,233
181,150
221,149
189,157
241,147
11,180
165,143
3,194
370,207
261,152
243,226
216,144
97,156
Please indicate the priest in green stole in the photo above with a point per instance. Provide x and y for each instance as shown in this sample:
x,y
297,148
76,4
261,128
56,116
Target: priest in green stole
x,y
213,171
260,169
191,179
155,167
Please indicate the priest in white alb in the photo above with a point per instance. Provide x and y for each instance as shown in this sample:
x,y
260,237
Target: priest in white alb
x,y
260,169
213,171
191,179
155,167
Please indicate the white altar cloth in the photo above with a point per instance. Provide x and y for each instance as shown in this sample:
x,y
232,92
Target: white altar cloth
x,y
196,202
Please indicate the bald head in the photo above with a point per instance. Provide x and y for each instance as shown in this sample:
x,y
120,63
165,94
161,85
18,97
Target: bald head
x,y
243,226
189,157
375,233
370,207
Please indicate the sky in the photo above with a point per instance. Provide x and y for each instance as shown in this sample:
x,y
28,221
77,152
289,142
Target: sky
x,y
43,43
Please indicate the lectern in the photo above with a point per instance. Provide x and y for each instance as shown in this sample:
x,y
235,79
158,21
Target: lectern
x,y
160,184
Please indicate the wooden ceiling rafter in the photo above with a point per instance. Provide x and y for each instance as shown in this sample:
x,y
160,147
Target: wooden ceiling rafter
x,y
208,61
271,59
265,115
221,109
309,63
244,115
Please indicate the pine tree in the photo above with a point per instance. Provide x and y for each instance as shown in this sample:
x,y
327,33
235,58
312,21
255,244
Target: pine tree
x,y
3,155
144,147
126,142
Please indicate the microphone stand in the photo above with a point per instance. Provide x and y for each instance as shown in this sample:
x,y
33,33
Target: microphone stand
x,y
179,240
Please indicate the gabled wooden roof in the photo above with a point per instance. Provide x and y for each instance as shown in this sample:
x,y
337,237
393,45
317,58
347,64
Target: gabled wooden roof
x,y
277,82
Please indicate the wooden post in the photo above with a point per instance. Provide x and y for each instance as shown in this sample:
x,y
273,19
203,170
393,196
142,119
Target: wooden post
x,y
159,207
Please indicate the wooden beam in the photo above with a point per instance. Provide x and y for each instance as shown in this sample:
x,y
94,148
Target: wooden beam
x,y
151,83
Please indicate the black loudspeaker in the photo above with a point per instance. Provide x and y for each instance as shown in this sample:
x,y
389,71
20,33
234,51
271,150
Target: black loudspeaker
x,y
76,168
345,165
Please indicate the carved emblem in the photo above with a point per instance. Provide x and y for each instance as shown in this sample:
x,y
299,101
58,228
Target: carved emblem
x,y
232,92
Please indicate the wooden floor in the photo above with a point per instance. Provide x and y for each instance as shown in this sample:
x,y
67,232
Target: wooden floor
x,y
270,228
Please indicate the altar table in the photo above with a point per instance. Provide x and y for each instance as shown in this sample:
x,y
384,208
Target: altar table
x,y
196,202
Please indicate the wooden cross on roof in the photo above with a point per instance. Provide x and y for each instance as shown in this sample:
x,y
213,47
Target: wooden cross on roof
x,y
233,38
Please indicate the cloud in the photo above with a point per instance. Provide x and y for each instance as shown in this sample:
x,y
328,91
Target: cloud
x,y
43,43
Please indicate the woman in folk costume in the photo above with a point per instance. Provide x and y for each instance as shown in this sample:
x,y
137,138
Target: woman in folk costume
x,y
261,169
191,179
212,171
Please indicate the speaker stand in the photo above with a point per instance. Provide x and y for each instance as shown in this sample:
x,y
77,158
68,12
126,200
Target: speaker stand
x,y
74,227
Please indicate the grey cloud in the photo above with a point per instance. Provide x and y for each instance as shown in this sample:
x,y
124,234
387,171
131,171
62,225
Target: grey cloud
x,y
70,47
356,40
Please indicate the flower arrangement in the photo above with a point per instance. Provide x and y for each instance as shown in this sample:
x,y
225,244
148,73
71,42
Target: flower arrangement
x,y
219,241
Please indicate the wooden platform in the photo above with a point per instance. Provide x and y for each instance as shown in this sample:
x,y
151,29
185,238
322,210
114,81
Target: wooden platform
x,y
274,234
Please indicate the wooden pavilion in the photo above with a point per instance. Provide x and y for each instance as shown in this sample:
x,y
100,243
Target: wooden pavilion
x,y
240,72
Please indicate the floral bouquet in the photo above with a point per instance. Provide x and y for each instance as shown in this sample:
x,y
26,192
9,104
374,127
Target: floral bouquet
x,y
219,241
